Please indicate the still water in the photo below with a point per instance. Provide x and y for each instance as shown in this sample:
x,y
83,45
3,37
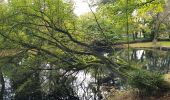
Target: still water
x,y
92,84
153,60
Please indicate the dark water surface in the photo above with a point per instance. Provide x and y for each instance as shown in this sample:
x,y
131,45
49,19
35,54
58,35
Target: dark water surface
x,y
86,84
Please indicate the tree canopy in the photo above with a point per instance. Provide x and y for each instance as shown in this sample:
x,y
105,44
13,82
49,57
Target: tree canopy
x,y
44,40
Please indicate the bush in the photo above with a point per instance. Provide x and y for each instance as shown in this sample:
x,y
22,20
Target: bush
x,y
148,83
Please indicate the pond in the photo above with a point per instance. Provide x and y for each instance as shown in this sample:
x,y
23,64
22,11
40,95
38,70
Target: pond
x,y
89,84
150,59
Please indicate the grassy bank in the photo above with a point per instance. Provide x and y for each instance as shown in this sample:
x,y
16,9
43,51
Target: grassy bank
x,y
132,94
149,44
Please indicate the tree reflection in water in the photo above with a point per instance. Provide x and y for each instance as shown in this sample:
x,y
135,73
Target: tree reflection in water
x,y
153,60
88,84
91,84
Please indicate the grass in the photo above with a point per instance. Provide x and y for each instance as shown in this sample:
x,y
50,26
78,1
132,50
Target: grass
x,y
167,77
124,95
132,94
166,44
149,44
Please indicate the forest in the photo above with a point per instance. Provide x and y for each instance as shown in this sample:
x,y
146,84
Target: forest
x,y
110,50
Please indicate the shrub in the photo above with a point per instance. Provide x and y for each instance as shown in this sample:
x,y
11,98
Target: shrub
x,y
148,83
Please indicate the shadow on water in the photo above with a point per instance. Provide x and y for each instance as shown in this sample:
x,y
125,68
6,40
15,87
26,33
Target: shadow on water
x,y
89,84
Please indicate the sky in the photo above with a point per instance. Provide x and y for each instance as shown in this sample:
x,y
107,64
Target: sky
x,y
81,7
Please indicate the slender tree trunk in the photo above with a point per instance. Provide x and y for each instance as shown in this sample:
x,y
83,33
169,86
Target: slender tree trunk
x,y
133,36
136,35
2,84
155,28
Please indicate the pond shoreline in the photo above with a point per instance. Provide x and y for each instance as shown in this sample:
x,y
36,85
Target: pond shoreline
x,y
160,45
140,41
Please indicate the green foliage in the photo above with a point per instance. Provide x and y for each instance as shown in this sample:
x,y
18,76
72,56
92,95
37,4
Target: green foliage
x,y
148,83
113,19
51,41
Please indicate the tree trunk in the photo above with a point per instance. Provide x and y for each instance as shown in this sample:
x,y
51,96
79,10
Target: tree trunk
x,y
136,35
155,28
133,36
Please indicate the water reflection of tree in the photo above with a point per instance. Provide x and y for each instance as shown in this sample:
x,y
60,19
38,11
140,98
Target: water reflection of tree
x,y
104,82
2,85
42,81
31,78
152,60
158,61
